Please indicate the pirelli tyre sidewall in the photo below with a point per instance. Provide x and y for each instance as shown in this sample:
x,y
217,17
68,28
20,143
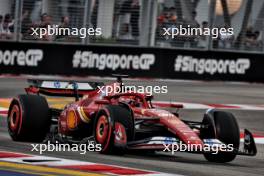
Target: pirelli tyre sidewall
x,y
223,126
109,122
29,118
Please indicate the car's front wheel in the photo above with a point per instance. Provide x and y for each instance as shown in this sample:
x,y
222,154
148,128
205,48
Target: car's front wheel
x,y
113,128
222,126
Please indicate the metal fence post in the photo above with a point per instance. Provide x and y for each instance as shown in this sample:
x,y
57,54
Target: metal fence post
x,y
87,19
18,19
153,22
145,23
211,17
84,40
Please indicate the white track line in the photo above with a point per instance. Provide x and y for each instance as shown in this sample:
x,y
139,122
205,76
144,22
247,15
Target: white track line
x,y
60,162
27,76
258,140
3,109
208,106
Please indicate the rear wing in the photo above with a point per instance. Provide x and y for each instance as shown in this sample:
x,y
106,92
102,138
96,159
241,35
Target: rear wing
x,y
61,87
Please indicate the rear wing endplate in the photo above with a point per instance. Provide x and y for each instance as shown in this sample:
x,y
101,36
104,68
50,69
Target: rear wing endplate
x,y
61,87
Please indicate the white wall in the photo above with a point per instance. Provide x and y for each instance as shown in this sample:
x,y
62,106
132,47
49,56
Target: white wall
x,y
5,7
105,17
237,19
202,11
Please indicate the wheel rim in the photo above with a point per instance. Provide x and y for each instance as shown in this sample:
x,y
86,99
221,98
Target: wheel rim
x,y
14,118
102,129
120,134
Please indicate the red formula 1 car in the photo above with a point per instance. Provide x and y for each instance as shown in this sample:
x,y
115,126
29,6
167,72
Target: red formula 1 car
x,y
120,121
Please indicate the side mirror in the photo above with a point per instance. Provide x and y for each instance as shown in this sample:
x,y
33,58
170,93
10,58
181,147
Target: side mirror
x,y
102,102
173,105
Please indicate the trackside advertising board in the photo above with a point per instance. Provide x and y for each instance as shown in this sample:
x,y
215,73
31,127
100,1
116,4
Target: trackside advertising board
x,y
80,60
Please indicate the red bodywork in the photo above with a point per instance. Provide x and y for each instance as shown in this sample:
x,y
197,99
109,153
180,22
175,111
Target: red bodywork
x,y
85,110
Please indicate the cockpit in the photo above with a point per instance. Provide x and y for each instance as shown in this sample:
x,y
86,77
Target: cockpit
x,y
135,99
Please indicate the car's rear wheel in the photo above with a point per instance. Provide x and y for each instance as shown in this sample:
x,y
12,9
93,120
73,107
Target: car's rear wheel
x,y
223,126
28,118
113,128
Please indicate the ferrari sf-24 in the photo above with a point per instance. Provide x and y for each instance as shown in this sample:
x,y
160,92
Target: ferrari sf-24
x,y
120,122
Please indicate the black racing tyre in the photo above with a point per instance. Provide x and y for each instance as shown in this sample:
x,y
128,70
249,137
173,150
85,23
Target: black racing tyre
x,y
29,118
107,120
223,126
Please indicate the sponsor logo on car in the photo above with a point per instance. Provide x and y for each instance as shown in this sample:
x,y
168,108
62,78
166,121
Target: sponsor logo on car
x,y
57,84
